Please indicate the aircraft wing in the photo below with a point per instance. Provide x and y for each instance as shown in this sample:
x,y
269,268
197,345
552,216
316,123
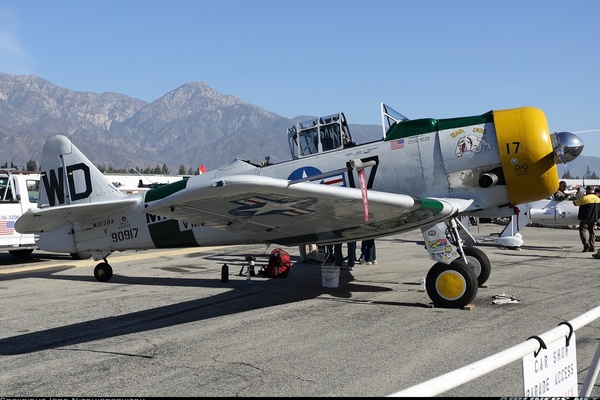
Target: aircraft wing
x,y
281,211
45,219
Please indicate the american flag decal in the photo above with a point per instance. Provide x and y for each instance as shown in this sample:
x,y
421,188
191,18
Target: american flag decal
x,y
397,144
7,227
295,212
336,180
252,201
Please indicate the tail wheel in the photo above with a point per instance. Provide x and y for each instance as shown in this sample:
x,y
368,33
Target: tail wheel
x,y
451,285
103,272
480,263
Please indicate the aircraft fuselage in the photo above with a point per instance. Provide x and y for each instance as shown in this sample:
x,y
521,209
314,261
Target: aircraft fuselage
x,y
495,160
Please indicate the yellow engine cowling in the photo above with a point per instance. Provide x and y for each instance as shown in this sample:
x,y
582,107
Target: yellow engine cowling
x,y
526,154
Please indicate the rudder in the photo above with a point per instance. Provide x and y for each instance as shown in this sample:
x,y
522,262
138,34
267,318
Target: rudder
x,y
69,177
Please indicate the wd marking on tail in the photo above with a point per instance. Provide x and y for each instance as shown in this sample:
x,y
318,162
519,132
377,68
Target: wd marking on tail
x,y
55,184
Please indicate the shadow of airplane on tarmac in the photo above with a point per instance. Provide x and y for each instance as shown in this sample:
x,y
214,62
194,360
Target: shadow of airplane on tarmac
x,y
301,284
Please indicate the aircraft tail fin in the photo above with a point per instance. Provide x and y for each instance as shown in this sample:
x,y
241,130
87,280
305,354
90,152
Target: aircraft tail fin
x,y
69,177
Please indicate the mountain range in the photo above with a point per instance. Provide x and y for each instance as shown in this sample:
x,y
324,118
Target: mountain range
x,y
192,125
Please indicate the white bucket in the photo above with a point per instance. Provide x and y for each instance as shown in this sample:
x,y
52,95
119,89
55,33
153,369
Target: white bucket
x,y
330,275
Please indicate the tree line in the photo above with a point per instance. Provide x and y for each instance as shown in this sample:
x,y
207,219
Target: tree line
x,y
33,166
589,174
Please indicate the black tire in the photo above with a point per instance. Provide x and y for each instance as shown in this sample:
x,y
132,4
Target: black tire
x,y
20,253
103,272
451,285
480,262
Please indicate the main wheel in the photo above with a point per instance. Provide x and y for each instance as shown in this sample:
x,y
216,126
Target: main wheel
x,y
451,285
103,272
480,262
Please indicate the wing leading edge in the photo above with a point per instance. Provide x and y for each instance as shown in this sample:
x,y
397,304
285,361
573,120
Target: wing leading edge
x,y
275,210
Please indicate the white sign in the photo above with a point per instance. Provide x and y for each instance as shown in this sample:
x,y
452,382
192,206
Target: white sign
x,y
553,372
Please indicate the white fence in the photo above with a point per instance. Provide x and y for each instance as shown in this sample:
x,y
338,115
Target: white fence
x,y
479,368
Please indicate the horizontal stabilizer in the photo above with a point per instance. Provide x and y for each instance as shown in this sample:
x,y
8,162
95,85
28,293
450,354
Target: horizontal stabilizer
x,y
46,219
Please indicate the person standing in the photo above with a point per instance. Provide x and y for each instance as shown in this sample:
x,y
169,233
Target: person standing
x,y
560,194
369,251
588,216
309,256
337,255
330,253
351,256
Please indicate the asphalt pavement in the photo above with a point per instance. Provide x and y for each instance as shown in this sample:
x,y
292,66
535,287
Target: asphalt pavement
x,y
167,325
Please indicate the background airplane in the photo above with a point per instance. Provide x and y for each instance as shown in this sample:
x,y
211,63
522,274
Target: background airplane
x,y
546,212
423,174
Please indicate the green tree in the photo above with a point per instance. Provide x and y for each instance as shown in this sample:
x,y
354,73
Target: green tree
x,y
567,175
31,166
181,170
589,174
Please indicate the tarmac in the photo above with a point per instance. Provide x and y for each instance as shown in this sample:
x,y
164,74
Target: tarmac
x,y
167,324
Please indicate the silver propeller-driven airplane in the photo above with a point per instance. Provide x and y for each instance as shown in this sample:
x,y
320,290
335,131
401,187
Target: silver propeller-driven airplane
x,y
423,174
548,212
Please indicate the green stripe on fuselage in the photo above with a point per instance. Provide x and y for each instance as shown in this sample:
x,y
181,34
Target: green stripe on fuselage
x,y
167,234
432,205
164,191
413,127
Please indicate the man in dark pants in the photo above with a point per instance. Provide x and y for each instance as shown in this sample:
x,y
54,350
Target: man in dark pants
x,y
339,256
351,256
588,215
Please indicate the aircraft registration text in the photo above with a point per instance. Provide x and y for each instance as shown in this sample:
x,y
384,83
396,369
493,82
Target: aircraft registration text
x,y
124,235
103,222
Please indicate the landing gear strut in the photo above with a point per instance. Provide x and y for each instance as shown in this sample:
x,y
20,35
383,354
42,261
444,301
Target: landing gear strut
x,y
453,281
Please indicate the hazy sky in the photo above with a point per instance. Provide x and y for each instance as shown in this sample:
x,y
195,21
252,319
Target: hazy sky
x,y
424,58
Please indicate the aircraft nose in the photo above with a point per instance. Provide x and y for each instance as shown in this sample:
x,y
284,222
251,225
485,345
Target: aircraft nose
x,y
567,146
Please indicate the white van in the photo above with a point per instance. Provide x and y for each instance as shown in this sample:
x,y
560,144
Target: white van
x,y
19,191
